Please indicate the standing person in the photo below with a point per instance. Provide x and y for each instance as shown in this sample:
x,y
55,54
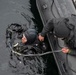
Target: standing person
x,y
62,28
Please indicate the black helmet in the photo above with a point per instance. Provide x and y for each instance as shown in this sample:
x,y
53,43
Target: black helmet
x,y
31,35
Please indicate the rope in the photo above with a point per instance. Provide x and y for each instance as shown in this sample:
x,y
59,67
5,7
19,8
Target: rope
x,y
29,55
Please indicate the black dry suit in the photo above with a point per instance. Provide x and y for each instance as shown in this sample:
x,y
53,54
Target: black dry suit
x,y
63,28
14,34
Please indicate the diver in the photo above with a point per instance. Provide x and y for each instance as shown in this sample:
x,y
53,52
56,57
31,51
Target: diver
x,y
64,28
19,37
22,43
30,37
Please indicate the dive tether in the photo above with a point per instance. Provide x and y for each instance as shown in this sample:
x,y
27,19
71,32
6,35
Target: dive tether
x,y
29,55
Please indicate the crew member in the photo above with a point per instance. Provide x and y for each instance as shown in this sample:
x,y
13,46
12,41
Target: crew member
x,y
64,28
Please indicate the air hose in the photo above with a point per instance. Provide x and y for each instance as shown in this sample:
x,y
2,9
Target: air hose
x,y
29,55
